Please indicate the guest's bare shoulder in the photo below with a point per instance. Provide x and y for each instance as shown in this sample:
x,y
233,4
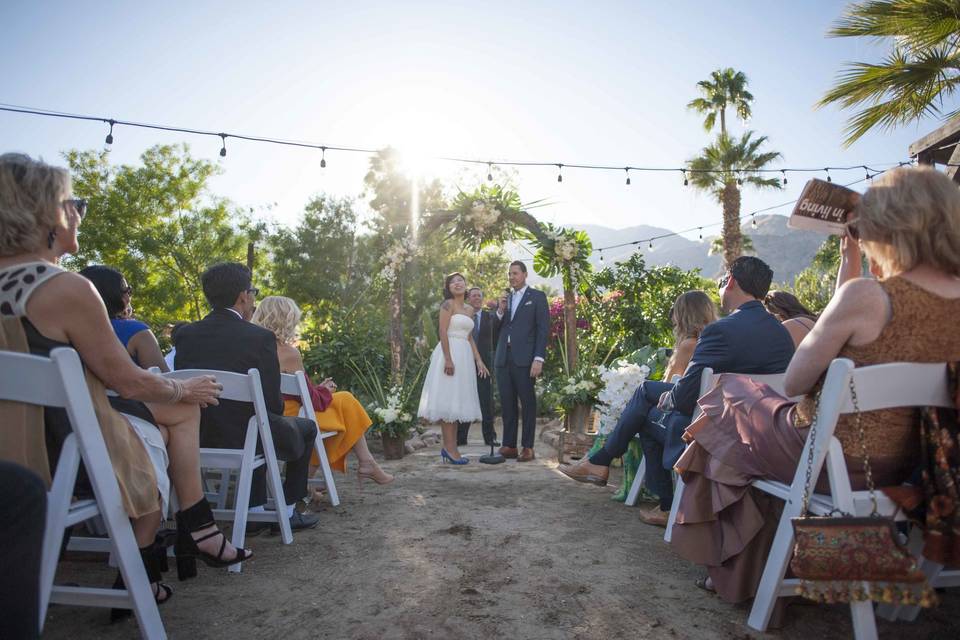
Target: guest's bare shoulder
x,y
290,359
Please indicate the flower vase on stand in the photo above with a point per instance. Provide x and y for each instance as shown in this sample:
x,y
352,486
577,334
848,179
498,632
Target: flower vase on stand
x,y
392,447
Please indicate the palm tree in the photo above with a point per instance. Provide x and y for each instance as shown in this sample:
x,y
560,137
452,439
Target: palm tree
x,y
722,168
912,81
726,88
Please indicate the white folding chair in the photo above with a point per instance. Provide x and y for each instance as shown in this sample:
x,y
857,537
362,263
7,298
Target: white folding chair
x,y
245,388
881,386
58,381
295,384
707,379
642,469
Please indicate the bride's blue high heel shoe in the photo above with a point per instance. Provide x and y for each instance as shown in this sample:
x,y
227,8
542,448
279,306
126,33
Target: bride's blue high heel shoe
x,y
446,457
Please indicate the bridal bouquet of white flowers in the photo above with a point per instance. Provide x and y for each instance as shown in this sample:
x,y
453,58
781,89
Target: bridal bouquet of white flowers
x,y
619,381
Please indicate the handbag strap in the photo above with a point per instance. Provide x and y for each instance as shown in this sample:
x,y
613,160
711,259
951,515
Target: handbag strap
x,y
861,436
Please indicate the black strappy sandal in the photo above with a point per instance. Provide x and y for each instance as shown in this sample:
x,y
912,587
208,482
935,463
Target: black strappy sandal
x,y
154,561
197,518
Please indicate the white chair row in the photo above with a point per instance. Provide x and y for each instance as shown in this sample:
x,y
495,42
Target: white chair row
x,y
878,387
58,381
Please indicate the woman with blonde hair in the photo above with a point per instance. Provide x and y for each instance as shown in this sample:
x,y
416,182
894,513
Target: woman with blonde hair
x,y
908,225
43,307
337,411
691,312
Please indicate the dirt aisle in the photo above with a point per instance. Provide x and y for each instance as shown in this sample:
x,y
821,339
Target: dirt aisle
x,y
513,550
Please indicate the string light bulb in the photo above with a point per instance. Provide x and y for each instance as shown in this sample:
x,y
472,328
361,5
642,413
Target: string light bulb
x,y
700,229
829,179
685,181
601,255
784,172
223,143
323,157
559,173
489,172
739,178
753,221
109,138
627,169
650,246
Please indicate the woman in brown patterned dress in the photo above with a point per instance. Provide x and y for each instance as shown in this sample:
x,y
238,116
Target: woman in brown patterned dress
x,y
908,225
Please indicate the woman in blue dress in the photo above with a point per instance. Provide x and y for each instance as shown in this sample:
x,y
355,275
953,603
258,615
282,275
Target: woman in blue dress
x,y
136,336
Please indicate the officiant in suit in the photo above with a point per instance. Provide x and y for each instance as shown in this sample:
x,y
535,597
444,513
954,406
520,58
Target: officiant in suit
x,y
485,331
521,349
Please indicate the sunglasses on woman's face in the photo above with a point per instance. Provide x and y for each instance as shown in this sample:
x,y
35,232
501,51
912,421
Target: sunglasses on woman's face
x,y
78,204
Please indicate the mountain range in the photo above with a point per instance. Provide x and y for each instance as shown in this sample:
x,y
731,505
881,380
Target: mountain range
x,y
787,251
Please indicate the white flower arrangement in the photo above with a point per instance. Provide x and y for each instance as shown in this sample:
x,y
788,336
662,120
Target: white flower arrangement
x,y
396,258
620,381
566,248
482,215
393,412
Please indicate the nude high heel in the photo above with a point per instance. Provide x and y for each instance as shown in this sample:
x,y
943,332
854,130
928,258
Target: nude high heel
x,y
378,475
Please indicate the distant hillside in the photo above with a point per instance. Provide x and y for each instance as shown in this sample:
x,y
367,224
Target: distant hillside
x,y
788,252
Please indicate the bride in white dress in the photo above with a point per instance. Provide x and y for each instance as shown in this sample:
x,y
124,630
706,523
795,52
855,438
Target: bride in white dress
x,y
450,389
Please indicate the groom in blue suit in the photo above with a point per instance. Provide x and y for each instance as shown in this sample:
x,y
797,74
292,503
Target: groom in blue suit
x,y
521,348
749,340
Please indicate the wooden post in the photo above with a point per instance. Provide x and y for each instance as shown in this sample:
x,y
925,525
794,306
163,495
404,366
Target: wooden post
x,y
250,246
570,328
396,331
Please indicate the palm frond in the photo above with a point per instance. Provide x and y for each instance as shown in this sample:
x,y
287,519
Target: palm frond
x,y
918,24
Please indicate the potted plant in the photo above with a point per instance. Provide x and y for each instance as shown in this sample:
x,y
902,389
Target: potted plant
x,y
391,411
576,395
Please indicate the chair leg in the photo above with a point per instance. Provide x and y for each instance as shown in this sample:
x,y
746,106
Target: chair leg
x,y
864,624
773,572
637,483
58,505
327,472
677,494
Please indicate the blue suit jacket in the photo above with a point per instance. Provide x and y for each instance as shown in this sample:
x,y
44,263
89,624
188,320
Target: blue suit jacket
x,y
749,340
527,331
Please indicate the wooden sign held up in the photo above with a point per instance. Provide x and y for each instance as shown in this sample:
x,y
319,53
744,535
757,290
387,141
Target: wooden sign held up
x,y
824,207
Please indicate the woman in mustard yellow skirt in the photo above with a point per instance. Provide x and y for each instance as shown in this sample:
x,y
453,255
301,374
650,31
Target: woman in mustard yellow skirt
x,y
337,411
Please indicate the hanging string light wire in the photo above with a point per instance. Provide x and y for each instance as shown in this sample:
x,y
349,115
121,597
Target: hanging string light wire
x,y
112,122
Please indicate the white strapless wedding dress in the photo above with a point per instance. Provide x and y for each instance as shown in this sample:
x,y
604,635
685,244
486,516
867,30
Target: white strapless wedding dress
x,y
452,398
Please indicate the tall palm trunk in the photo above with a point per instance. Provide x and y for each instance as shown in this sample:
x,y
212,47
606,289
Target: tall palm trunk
x,y
732,238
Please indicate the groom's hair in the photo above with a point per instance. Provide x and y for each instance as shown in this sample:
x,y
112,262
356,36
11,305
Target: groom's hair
x,y
519,263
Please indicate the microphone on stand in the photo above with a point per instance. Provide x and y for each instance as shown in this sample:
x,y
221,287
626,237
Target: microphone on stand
x,y
493,457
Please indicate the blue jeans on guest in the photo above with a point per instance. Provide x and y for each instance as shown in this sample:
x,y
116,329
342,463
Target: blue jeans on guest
x,y
641,418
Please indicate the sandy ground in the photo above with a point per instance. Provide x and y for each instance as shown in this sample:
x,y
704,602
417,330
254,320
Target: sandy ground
x,y
513,550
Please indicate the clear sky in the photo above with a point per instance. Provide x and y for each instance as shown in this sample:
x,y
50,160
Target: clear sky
x,y
574,82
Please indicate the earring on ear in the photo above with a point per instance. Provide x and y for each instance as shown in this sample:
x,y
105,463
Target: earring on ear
x,y
50,238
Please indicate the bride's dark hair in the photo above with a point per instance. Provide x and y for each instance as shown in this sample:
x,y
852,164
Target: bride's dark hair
x,y
447,295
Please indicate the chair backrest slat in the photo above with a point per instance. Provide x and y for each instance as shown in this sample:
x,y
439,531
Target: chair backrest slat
x,y
898,384
236,386
26,378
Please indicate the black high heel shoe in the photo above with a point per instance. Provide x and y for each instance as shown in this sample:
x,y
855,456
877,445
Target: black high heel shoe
x,y
154,561
197,518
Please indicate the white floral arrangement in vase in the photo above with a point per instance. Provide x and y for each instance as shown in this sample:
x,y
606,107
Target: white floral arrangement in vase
x,y
392,418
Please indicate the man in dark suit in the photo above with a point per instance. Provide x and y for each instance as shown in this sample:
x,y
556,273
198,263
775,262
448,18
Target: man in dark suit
x,y
524,322
225,340
485,331
749,340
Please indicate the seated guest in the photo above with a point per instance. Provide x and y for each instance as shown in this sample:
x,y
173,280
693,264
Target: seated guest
x,y
170,355
23,511
225,340
336,411
908,225
55,308
749,340
691,312
795,317
135,336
